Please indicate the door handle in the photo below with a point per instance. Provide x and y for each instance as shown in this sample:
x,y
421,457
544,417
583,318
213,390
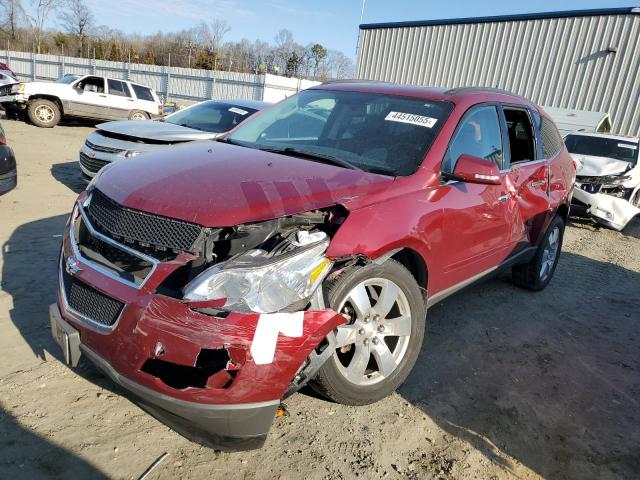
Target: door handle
x,y
538,183
103,96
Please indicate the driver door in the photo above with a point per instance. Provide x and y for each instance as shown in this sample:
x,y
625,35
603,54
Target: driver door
x,y
477,217
89,99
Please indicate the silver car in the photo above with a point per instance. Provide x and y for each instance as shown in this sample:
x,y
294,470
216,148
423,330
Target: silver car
x,y
126,139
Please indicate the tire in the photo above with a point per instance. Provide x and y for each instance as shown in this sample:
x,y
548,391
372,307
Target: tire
x,y
367,336
138,115
536,274
44,113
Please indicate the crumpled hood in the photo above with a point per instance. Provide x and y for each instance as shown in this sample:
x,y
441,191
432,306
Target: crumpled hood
x,y
591,166
220,185
154,130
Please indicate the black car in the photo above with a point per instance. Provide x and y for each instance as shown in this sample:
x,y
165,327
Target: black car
x,y
8,172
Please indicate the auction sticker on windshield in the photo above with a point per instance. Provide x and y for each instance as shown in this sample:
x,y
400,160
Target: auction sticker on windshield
x,y
237,110
411,118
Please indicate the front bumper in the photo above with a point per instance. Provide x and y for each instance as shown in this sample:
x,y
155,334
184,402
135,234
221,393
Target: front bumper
x,y
611,211
233,407
227,427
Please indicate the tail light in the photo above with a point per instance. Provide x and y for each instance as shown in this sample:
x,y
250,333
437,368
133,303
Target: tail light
x,y
3,138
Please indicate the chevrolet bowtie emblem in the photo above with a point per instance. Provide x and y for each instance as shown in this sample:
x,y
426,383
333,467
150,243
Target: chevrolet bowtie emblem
x,y
91,154
71,266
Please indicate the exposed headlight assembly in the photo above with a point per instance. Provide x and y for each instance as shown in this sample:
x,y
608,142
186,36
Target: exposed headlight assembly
x,y
17,88
257,281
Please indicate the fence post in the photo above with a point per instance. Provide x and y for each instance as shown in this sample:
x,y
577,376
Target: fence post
x,y
62,65
33,66
213,85
167,71
93,66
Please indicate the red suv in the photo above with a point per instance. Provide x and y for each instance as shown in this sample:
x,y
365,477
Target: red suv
x,y
212,280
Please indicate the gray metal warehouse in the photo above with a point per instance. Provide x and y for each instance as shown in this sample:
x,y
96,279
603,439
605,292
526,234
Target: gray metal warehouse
x,y
584,60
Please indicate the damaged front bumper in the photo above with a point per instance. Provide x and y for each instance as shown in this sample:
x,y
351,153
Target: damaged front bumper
x,y
609,210
215,377
230,427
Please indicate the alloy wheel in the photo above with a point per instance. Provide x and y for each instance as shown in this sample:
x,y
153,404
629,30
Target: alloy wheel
x,y
550,253
45,113
371,346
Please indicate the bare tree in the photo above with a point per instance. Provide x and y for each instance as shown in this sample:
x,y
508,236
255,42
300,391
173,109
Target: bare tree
x,y
38,19
77,19
13,11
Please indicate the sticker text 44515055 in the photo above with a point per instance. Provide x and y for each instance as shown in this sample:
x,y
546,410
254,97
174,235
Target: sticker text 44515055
x,y
411,118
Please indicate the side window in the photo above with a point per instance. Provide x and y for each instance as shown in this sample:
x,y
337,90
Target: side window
x,y
91,84
142,93
551,139
521,138
479,135
118,88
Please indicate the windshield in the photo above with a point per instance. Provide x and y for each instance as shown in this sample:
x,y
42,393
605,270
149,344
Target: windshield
x,y
214,117
603,147
67,79
376,133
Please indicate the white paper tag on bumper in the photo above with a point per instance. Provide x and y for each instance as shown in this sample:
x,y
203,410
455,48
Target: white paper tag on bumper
x,y
270,325
412,119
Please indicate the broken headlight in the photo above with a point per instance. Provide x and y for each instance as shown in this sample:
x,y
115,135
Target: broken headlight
x,y
264,282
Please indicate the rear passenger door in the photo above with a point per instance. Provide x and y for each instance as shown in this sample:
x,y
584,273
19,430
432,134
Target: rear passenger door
x,y
120,99
145,99
527,176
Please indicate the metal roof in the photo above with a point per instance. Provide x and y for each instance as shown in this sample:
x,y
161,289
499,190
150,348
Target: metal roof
x,y
570,120
506,18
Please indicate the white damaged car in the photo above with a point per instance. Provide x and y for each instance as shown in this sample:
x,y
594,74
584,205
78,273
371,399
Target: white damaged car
x,y
608,178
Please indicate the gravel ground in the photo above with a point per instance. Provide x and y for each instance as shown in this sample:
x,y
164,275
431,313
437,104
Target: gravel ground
x,y
510,384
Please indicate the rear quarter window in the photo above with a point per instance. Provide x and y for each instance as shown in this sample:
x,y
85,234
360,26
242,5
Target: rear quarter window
x,y
551,138
143,93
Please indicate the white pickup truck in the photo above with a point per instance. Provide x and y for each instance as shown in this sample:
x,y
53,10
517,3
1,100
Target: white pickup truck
x,y
86,96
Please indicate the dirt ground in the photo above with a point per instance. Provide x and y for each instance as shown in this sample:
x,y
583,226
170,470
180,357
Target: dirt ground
x,y
510,384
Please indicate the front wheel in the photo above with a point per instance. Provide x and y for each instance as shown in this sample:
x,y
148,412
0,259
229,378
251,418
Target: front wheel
x,y
537,274
44,113
138,115
379,345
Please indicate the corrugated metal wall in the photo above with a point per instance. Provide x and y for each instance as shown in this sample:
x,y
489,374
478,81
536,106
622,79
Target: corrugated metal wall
x,y
173,82
560,62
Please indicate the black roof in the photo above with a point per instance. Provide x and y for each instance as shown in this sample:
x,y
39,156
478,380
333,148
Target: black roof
x,y
506,18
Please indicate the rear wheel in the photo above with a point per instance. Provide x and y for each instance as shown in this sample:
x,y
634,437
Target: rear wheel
x,y
44,113
138,115
378,347
537,274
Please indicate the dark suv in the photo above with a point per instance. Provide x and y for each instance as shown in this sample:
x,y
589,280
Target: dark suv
x,y
214,279
8,170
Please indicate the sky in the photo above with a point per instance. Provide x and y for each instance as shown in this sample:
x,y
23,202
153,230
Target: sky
x,y
333,23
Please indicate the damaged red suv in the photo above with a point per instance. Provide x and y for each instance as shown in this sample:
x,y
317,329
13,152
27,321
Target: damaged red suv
x,y
214,279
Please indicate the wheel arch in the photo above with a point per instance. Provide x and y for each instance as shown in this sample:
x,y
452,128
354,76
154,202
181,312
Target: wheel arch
x,y
416,265
52,98
563,212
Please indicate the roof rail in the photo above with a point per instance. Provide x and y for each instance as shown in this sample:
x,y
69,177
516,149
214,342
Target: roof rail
x,y
457,90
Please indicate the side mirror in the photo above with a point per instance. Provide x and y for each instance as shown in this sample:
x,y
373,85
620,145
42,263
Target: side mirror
x,y
476,170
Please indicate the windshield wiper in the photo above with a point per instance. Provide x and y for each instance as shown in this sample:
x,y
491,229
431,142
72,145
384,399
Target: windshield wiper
x,y
294,152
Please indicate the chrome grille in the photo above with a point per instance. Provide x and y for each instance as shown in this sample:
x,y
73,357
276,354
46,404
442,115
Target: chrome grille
x,y
92,164
101,148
